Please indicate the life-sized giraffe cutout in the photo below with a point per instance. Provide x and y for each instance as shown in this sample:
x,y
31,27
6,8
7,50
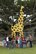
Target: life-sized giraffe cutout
x,y
19,26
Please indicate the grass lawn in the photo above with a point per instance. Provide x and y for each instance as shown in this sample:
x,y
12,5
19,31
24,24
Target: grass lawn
x,y
18,50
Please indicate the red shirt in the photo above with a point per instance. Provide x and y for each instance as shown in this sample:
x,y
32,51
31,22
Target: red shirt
x,y
22,40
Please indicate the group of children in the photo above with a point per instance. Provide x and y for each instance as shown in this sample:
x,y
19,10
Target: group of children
x,y
19,42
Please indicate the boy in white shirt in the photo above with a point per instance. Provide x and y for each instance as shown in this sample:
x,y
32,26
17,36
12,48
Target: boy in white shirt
x,y
7,41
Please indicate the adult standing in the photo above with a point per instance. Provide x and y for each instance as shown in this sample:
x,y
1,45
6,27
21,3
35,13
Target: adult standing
x,y
13,42
17,41
30,37
7,41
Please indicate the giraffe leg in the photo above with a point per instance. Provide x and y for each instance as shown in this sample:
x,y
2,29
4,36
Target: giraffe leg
x,y
12,34
21,33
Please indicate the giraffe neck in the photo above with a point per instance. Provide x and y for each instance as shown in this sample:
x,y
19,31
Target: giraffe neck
x,y
21,17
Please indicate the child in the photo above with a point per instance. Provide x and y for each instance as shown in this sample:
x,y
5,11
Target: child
x,y
24,42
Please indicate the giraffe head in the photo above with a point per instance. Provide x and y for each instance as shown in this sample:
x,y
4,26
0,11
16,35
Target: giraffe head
x,y
22,7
